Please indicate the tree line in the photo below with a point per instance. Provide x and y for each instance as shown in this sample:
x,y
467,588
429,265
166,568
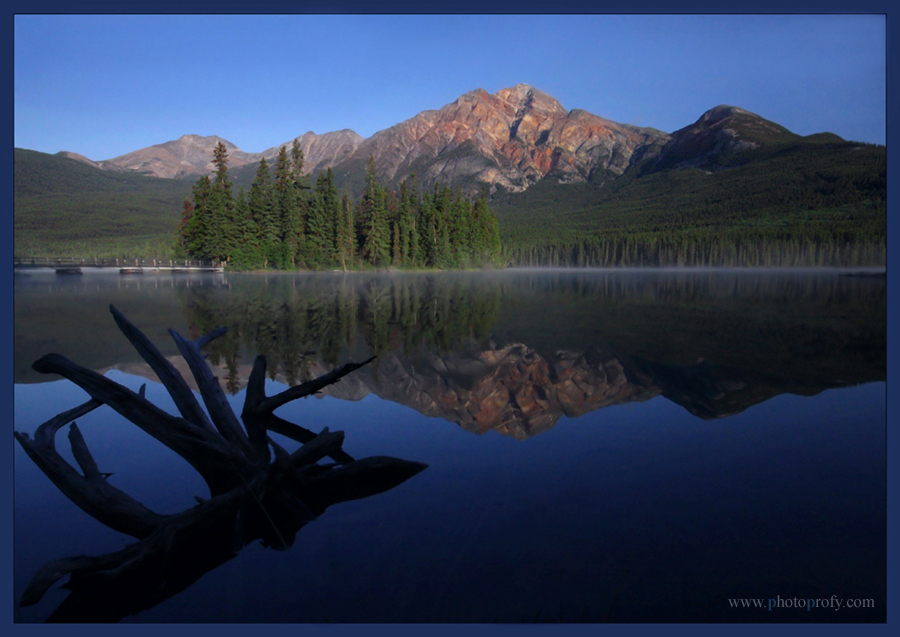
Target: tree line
x,y
284,222
705,249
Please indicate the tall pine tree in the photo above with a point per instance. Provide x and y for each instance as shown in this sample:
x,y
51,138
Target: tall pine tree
x,y
373,220
263,213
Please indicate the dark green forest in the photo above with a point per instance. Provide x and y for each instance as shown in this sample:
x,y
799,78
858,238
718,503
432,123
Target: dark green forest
x,y
285,223
809,203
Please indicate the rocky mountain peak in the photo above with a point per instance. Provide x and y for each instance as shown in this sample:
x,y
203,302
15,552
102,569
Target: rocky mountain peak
x,y
739,123
525,98
510,139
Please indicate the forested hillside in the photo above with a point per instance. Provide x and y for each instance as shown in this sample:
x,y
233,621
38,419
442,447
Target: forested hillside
x,y
66,208
797,204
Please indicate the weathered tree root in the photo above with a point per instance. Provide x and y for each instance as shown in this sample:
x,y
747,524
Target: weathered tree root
x,y
255,493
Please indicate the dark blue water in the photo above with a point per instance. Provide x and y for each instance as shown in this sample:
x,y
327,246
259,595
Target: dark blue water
x,y
668,446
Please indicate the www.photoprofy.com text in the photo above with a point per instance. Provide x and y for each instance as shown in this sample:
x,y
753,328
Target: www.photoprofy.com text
x,y
805,603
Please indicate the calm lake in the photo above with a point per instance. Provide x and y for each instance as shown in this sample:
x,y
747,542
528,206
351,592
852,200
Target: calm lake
x,y
601,446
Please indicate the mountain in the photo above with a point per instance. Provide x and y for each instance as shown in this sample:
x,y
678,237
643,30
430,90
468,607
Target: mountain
x,y
66,203
720,134
192,155
321,151
511,139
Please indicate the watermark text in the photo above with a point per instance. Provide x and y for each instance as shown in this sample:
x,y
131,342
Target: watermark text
x,y
804,603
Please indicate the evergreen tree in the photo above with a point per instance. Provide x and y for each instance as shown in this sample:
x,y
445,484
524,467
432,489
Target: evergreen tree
x,y
224,225
485,233
394,225
197,235
411,224
405,227
183,239
286,210
442,202
373,220
262,211
458,216
302,203
345,243
428,235
322,220
249,254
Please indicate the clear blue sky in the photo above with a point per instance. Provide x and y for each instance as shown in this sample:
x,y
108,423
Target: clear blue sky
x,y
105,85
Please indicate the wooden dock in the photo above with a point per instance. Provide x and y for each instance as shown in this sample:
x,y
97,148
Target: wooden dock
x,y
75,265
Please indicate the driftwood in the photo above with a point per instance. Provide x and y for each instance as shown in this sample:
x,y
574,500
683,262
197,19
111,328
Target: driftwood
x,y
258,491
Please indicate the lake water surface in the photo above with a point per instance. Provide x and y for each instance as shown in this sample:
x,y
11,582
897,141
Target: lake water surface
x,y
602,446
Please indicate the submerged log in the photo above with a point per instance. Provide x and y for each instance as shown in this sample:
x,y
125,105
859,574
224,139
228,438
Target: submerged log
x,y
255,493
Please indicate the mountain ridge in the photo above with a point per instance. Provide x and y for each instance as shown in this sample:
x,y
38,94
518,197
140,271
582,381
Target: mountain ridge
x,y
510,139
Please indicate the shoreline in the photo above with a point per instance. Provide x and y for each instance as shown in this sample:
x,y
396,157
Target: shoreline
x,y
872,271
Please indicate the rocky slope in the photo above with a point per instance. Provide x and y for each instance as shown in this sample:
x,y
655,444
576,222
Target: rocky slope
x,y
191,155
321,151
510,139
186,156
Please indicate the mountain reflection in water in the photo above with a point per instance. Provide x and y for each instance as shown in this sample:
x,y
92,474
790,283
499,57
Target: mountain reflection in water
x,y
517,353
514,352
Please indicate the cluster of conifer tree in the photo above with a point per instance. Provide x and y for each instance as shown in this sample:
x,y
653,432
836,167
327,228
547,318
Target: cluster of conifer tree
x,y
285,223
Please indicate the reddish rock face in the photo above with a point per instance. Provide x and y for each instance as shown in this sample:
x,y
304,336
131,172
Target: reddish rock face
x,y
512,138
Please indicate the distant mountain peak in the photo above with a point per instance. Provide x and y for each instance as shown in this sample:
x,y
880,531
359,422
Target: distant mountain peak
x,y
721,111
743,123
720,132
